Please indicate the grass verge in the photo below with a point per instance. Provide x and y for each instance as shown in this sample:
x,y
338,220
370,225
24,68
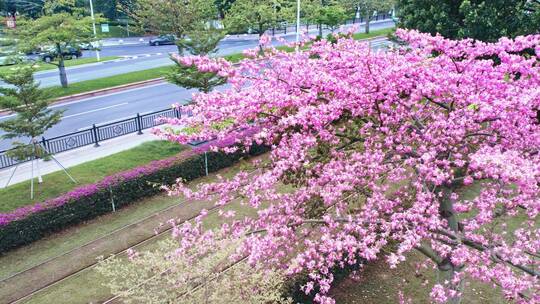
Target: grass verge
x,y
43,66
57,183
107,82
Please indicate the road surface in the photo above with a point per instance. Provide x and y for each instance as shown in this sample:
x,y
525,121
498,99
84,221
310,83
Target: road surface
x,y
139,57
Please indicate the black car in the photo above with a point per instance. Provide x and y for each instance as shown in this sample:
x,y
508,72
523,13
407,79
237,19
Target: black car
x,y
162,40
68,53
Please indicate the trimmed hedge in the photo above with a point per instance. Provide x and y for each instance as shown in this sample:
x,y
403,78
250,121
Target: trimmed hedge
x,y
37,225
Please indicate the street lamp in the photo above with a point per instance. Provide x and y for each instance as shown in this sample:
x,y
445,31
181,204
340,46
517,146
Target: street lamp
x,y
94,27
297,25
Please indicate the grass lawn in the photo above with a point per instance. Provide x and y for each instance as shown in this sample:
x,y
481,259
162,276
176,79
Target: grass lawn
x,y
107,82
85,287
43,66
57,183
379,284
372,34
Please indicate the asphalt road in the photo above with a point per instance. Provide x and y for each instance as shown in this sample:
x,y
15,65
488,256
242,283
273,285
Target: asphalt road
x,y
143,56
84,113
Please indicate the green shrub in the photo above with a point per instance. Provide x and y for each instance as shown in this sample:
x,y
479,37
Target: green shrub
x,y
37,225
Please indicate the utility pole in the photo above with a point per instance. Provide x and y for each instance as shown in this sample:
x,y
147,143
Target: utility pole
x,y
94,27
297,25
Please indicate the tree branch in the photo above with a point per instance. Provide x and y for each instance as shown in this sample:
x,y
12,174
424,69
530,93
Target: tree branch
x,y
430,253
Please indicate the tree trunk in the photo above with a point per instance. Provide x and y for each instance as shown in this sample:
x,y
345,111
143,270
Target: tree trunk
x,y
368,18
62,70
320,30
446,269
37,154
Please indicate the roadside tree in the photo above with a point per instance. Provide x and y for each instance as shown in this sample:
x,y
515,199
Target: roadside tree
x,y
372,155
176,17
202,42
32,119
223,6
368,8
482,20
56,34
257,16
325,12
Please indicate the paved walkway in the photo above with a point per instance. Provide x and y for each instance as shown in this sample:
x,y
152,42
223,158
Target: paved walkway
x,y
75,157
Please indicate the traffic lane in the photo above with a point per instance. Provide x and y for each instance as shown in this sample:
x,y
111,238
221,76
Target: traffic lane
x,y
105,69
140,49
104,109
144,48
112,68
77,74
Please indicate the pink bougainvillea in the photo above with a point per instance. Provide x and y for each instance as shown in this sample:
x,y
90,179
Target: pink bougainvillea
x,y
433,146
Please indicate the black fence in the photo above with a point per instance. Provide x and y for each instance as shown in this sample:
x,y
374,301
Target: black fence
x,y
95,134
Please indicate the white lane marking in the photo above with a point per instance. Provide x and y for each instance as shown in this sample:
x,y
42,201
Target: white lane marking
x,y
106,122
95,110
106,95
7,116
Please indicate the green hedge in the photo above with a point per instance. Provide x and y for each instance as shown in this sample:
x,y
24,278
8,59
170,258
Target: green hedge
x,y
37,225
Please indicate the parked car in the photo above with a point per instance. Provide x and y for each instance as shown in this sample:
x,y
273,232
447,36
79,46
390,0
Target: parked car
x,y
9,56
162,40
50,54
91,46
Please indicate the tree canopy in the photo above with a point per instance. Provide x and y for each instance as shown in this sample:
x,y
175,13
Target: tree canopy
x,y
29,102
170,16
55,33
202,42
257,16
478,19
371,155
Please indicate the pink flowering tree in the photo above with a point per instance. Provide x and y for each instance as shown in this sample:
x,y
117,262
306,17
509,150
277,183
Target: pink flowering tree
x,y
375,149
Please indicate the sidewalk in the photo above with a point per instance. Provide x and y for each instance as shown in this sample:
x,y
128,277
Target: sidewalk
x,y
74,157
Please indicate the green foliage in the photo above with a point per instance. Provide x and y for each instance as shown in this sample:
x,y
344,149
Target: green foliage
x,y
170,16
201,42
190,77
223,6
482,20
56,32
59,30
30,104
198,276
331,13
257,16
38,225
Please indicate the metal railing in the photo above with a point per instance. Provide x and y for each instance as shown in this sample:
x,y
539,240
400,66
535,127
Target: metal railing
x,y
94,135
